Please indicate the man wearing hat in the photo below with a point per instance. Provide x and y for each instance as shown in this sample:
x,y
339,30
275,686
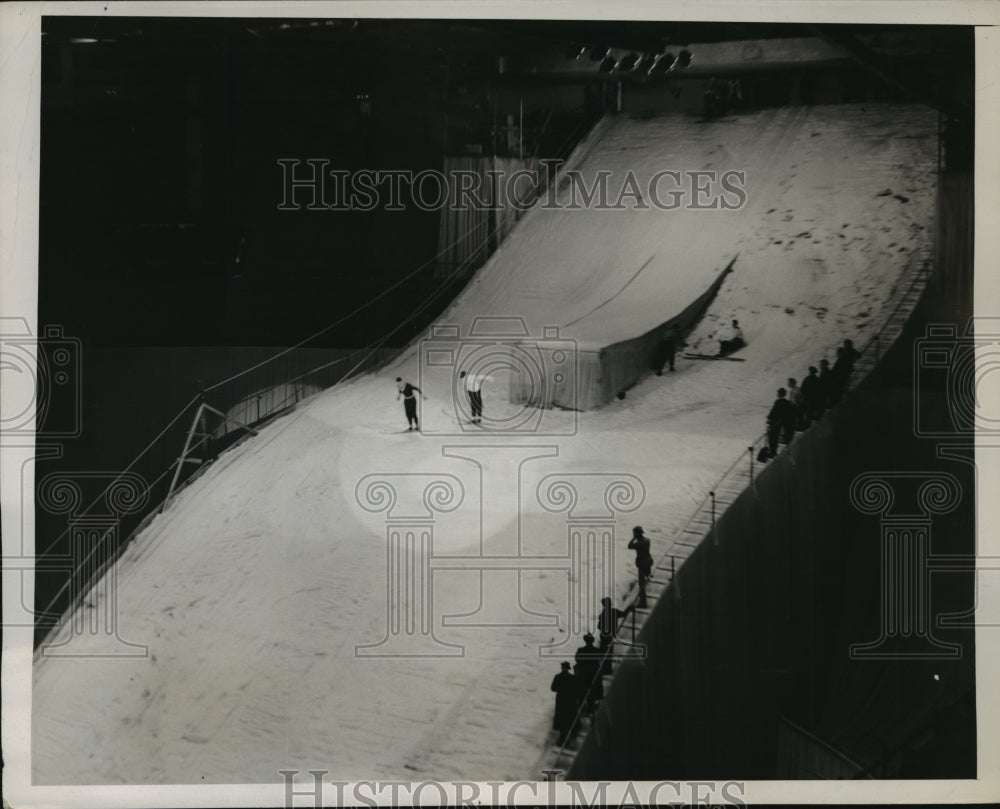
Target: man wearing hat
x,y
588,666
643,561
780,422
564,686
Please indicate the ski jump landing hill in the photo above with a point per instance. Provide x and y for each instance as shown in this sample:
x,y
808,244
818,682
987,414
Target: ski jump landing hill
x,y
256,586
638,234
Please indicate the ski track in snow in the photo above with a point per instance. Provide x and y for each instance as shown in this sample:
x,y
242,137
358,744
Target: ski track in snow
x,y
256,584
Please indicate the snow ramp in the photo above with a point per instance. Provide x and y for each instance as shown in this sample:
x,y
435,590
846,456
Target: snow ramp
x,y
635,234
257,590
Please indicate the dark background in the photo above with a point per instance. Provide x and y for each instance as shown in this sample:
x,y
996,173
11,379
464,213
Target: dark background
x,y
160,140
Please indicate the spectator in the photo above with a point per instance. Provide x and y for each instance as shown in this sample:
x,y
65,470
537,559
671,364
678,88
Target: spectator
x,y
795,397
812,397
564,686
588,668
666,351
643,561
842,370
780,422
607,623
824,386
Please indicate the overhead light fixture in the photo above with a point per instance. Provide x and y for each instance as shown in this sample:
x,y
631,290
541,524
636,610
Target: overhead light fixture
x,y
628,62
664,62
83,40
608,64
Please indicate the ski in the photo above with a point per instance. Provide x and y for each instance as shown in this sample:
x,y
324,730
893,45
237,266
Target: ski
x,y
713,357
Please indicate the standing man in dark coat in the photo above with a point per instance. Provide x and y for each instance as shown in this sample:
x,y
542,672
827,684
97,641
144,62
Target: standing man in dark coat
x,y
588,667
409,402
825,385
564,686
643,562
780,422
812,397
842,370
666,351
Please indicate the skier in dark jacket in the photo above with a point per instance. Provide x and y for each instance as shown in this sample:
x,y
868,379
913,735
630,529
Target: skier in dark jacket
x,y
588,667
643,561
564,686
780,422
409,402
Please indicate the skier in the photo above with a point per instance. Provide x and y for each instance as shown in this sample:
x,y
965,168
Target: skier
x,y
643,562
734,342
564,686
409,402
474,389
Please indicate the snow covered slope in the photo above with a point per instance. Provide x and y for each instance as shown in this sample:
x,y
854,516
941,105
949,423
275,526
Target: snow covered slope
x,y
256,586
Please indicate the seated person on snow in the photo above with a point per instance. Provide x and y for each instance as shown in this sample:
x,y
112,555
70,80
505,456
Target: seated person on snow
x,y
733,342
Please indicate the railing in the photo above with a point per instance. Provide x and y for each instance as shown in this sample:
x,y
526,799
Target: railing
x,y
203,443
742,471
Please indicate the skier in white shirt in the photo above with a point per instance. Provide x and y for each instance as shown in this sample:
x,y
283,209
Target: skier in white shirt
x,y
474,389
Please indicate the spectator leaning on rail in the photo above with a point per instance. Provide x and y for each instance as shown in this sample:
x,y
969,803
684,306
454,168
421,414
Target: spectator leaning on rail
x,y
780,422
607,623
643,561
